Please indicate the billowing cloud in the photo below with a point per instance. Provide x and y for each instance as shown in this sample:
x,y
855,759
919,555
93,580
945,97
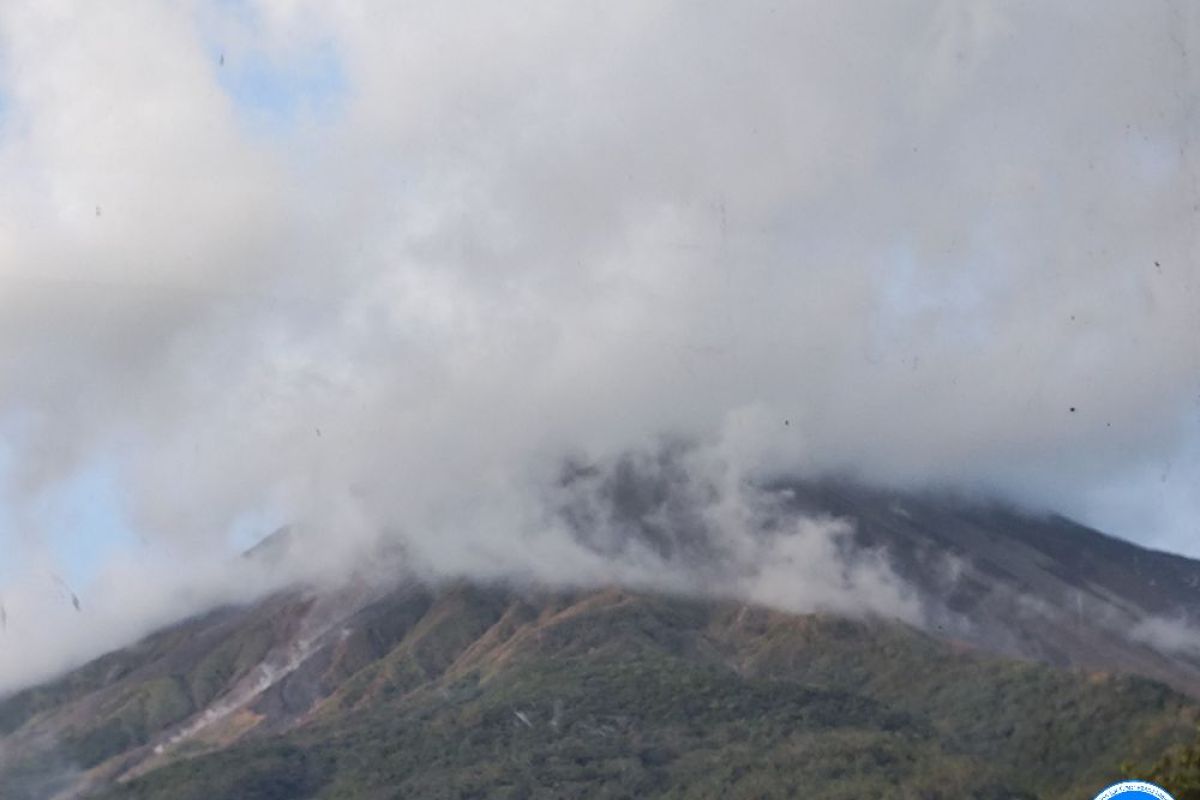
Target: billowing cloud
x,y
387,267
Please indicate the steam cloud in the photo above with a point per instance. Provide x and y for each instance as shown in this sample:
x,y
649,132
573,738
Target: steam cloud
x,y
452,247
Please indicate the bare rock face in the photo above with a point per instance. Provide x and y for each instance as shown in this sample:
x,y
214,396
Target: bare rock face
x,y
1029,586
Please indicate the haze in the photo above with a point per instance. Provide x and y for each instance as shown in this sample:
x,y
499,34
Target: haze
x,y
381,269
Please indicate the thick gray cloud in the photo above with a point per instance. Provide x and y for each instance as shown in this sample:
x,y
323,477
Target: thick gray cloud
x,y
926,243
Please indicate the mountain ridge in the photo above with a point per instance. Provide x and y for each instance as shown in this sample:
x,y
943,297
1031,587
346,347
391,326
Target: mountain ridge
x,y
996,696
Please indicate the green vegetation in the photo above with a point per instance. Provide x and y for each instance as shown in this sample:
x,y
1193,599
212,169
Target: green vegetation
x,y
636,697
15,711
1177,771
148,708
471,692
650,726
229,661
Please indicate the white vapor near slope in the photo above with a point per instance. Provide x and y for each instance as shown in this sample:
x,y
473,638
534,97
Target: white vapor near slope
x,y
920,242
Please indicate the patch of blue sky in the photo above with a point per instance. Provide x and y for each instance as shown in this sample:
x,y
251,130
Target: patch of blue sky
x,y
7,107
86,524
10,552
5,110
1160,158
275,90
910,289
78,524
252,527
281,94
276,94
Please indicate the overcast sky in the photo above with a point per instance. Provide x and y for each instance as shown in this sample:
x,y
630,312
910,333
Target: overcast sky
x,y
383,266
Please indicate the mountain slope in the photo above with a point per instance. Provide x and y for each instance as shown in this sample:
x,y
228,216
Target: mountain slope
x,y
468,691
1030,586
1035,586
1020,685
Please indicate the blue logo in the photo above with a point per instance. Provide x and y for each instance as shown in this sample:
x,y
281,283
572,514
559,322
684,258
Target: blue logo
x,y
1133,790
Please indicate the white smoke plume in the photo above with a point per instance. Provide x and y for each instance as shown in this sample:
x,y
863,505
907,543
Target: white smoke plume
x,y
383,269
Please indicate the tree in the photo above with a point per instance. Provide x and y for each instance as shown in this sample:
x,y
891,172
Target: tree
x,y
1178,771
